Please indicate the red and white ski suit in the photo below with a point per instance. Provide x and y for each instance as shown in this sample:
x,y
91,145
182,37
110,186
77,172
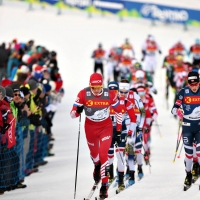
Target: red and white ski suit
x,y
98,124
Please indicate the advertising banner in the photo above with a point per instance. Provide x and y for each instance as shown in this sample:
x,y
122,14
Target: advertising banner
x,y
163,13
129,8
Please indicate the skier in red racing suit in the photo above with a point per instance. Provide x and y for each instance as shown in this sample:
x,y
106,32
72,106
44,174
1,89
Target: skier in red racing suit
x,y
96,102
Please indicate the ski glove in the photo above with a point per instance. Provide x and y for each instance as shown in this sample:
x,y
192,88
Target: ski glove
x,y
130,138
118,137
139,132
79,109
179,112
147,129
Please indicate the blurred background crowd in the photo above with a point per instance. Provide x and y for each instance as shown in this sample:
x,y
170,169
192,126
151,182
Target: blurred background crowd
x,y
30,93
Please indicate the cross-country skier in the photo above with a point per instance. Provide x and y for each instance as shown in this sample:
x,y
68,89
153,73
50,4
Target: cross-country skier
x,y
187,108
195,50
133,146
128,109
98,55
96,102
149,49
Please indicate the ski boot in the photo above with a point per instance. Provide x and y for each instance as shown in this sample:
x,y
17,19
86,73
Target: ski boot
x,y
140,172
131,180
127,173
146,158
110,176
121,185
195,172
188,181
103,191
96,173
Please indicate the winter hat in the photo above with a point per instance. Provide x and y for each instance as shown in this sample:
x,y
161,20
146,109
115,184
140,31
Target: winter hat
x,y
33,84
124,86
193,77
53,85
47,87
6,82
96,80
2,92
15,87
140,74
9,91
113,85
37,75
25,58
24,69
25,90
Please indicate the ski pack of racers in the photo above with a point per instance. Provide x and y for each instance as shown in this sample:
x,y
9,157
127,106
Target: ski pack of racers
x,y
132,84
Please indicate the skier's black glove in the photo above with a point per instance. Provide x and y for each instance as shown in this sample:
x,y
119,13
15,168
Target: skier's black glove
x,y
146,129
79,109
139,132
118,137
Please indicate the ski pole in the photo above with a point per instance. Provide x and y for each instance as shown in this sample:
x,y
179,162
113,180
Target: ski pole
x,y
116,145
180,151
178,140
167,94
147,155
77,156
158,129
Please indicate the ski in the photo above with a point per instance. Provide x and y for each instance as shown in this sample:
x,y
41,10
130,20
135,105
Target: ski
x,y
94,187
119,190
140,178
113,181
186,187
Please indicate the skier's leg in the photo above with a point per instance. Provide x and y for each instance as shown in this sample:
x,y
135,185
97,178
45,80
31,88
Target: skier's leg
x,y
139,156
188,146
105,138
111,157
93,144
120,159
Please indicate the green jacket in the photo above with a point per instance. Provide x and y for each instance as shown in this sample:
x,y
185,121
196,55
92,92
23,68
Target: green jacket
x,y
14,109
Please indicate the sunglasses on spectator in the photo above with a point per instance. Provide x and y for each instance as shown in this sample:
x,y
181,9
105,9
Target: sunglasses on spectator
x,y
123,92
17,95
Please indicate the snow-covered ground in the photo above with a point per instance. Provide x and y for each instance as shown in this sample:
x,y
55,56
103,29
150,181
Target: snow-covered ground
x,y
74,36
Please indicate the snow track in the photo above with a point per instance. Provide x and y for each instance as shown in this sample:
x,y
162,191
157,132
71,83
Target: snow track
x,y
74,37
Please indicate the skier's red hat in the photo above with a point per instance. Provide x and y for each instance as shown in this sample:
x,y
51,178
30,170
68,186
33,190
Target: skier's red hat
x,y
96,80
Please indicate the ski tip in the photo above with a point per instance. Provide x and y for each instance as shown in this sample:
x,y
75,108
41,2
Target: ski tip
x,y
173,161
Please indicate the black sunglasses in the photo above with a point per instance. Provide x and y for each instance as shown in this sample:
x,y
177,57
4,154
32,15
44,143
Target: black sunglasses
x,y
17,95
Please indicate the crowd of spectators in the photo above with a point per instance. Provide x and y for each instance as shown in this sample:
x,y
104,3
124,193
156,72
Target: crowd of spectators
x,y
31,89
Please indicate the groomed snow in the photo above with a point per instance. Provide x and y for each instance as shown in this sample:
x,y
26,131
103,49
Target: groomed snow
x,y
74,36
